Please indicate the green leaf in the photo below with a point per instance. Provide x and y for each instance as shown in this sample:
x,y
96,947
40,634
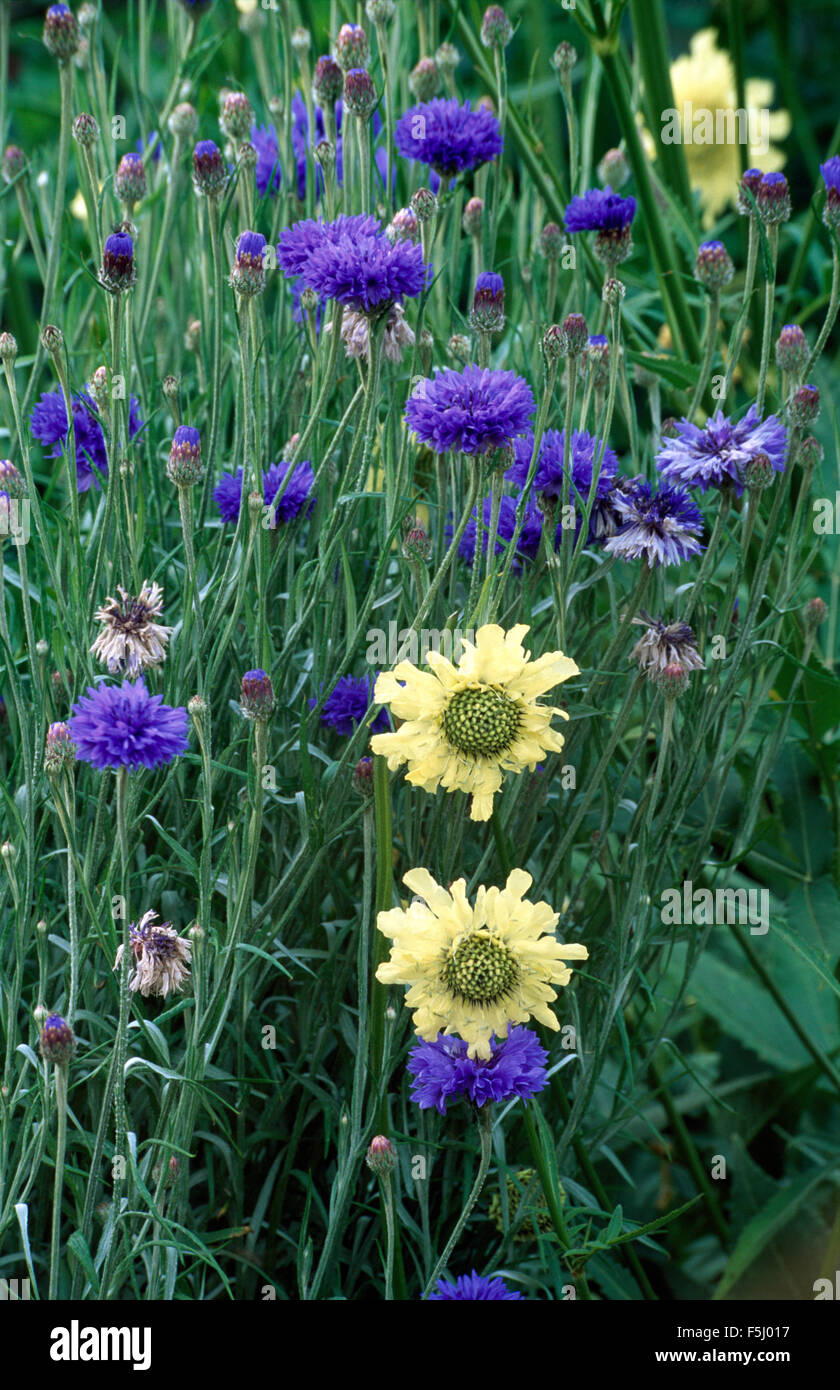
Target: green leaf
x,y
772,1219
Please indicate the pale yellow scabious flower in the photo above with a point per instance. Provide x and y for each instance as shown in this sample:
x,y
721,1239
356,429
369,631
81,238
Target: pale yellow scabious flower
x,y
466,725
472,970
705,78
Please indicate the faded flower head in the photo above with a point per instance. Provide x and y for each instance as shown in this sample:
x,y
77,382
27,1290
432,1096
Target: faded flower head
x,y
162,957
665,644
131,641
663,527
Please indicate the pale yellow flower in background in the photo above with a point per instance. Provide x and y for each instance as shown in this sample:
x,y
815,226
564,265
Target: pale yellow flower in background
x,y
472,970
466,725
705,78
78,208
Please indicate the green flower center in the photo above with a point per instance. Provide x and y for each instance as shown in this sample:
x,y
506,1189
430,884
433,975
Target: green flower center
x,y
480,970
481,722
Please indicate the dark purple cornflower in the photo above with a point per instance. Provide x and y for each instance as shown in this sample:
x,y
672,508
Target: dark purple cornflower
x,y
57,1041
447,136
228,492
469,1288
488,308
442,1071
548,478
529,537
124,726
118,272
210,172
662,526
184,466
49,426
600,210
348,703
257,695
718,453
471,411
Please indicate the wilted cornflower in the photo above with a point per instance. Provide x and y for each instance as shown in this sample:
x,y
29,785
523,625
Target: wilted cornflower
x,y
161,957
718,453
665,644
131,640
443,1071
663,527
57,1043
184,466
228,492
470,1288
49,426
257,697
124,726
355,334
248,274
450,138
472,411
348,703
118,272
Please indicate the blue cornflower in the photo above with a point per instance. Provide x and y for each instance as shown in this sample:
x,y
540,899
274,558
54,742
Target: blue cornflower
x,y
150,148
600,210
299,242
548,478
268,173
228,492
348,703
124,726
49,425
529,536
447,136
718,453
472,411
367,273
831,172
471,1287
662,526
442,1071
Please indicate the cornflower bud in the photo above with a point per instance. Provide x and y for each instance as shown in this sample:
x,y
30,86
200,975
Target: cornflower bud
x,y
564,58
352,49
257,700
672,680
773,199
471,220
714,268
11,481
327,82
184,466
550,241
210,174
792,350
459,348
362,778
57,1042
197,707
750,181
118,272
301,41
811,453
496,28
424,80
447,59
831,210
553,343
183,122
60,750
804,407
8,347
576,334
248,274
403,226
598,356
814,613
169,387
14,162
614,169
61,32
424,204
85,130
52,339
360,97
236,116
488,309
416,543
381,1157
613,291
379,11
130,179
759,473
